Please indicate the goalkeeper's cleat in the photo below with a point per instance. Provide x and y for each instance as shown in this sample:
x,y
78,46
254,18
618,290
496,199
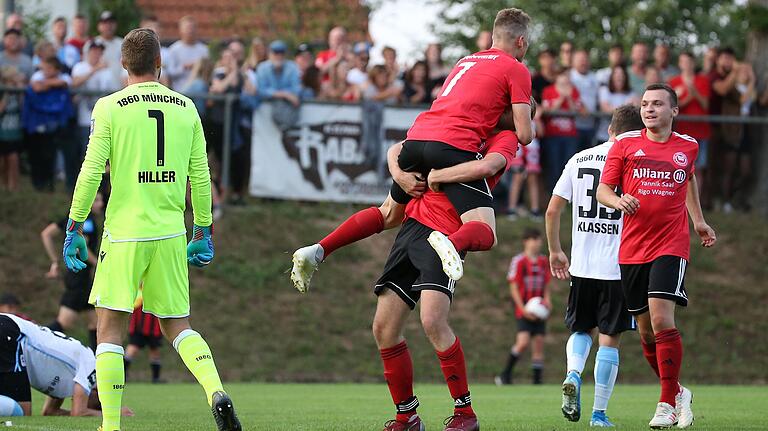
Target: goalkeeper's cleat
x,y
683,401
75,250
224,412
600,420
665,417
414,424
305,263
571,407
453,267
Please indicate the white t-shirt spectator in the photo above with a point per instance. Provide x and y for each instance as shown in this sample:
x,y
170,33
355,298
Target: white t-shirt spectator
x,y
603,75
356,77
181,54
588,86
614,100
111,55
102,81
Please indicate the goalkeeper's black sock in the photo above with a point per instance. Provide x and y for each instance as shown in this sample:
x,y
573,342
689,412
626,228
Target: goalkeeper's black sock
x,y
56,326
155,366
92,339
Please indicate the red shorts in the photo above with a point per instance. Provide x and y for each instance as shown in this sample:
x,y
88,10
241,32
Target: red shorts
x,y
527,159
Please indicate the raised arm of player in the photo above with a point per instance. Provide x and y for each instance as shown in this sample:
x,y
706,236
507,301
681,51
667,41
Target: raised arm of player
x,y
558,261
200,178
89,179
692,202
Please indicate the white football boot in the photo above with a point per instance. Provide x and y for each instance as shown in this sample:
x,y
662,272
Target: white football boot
x,y
452,264
305,263
684,399
665,417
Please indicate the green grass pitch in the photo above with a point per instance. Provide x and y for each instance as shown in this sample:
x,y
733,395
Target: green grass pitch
x,y
358,407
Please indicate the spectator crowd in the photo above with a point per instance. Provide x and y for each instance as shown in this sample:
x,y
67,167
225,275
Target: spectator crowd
x,y
48,123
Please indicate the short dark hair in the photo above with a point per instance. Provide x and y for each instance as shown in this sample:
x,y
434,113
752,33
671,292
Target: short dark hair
x,y
549,51
140,49
687,54
510,24
531,233
668,89
9,299
726,50
617,46
53,61
59,19
625,118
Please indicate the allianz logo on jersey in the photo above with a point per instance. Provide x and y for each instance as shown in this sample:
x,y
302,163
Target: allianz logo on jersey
x,y
678,175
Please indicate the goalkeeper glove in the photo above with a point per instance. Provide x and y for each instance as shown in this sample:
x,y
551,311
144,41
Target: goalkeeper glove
x,y
200,248
75,250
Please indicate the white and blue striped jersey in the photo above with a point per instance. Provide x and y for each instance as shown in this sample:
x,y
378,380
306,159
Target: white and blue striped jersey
x,y
55,362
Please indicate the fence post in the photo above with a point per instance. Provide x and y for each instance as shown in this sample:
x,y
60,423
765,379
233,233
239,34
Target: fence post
x,y
226,155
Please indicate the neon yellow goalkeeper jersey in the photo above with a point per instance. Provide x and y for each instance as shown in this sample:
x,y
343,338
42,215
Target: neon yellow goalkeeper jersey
x,y
153,140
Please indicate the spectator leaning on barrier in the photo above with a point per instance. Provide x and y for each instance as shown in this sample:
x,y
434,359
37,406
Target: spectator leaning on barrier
x,y
661,59
560,134
67,54
615,58
613,95
278,80
10,127
92,75
693,93
185,52
79,33
546,74
639,58
586,82
417,89
13,56
46,111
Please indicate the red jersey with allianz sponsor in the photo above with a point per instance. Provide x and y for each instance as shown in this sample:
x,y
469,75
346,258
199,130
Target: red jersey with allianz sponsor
x,y
472,99
434,210
657,174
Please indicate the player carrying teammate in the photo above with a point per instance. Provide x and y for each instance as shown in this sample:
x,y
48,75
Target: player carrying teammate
x,y
453,131
154,141
654,167
595,299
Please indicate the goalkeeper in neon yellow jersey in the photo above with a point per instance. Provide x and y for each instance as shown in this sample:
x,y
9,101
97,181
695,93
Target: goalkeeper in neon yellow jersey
x,y
153,140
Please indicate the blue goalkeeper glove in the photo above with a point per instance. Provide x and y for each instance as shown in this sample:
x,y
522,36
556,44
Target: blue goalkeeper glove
x,y
75,249
200,248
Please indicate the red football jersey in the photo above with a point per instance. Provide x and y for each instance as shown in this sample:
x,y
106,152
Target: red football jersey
x,y
434,210
559,126
657,174
531,277
472,99
698,129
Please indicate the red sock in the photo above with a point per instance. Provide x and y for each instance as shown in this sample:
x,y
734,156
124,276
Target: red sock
x,y
669,347
472,236
398,372
360,225
649,351
455,372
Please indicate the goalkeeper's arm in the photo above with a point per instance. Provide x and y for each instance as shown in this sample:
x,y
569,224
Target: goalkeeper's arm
x,y
96,156
200,179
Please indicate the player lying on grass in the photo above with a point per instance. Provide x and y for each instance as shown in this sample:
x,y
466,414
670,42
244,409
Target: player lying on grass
x,y
390,214
454,129
595,299
154,142
33,356
654,168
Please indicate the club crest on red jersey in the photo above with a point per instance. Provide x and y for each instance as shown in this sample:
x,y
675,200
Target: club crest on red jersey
x,y
680,159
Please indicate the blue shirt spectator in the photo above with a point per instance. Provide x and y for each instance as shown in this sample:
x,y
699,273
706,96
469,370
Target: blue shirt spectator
x,y
278,78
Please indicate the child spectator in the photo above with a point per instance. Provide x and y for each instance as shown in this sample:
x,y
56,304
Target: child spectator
x,y
528,278
144,331
417,89
560,135
526,168
610,97
10,127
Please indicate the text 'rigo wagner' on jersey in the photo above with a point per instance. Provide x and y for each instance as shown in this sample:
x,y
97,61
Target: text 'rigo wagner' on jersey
x,y
153,140
596,232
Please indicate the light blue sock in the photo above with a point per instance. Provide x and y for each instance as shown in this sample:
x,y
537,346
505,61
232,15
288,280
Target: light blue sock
x,y
606,370
577,351
9,407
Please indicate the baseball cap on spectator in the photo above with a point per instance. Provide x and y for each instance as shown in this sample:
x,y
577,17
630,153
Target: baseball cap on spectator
x,y
12,31
278,47
302,48
107,15
9,299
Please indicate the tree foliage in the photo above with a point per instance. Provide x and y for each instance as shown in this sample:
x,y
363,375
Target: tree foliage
x,y
127,12
598,24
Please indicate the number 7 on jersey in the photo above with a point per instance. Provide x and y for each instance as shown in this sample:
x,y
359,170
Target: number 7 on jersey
x,y
464,68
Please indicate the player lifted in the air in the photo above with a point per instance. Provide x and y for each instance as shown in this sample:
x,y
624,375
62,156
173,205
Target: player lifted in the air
x,y
153,140
654,168
595,299
473,98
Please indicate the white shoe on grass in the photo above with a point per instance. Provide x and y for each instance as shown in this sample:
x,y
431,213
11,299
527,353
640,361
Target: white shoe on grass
x,y
452,265
684,399
665,417
305,263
